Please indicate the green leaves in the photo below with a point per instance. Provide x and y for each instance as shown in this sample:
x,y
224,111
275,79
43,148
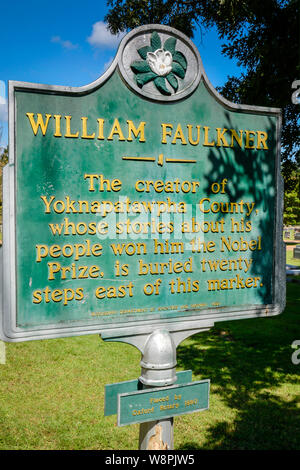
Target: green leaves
x,y
173,81
170,45
144,78
143,51
160,84
180,59
178,70
166,83
140,66
155,41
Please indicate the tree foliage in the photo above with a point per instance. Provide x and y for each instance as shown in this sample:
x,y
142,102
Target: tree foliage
x,y
263,36
128,14
291,214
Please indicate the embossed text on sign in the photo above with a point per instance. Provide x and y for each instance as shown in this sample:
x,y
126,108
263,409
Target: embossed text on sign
x,y
113,390
161,403
141,199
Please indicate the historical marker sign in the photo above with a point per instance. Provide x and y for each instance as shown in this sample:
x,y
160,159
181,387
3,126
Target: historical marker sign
x,y
142,199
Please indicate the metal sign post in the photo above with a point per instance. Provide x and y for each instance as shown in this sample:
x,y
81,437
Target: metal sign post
x,y
143,207
158,369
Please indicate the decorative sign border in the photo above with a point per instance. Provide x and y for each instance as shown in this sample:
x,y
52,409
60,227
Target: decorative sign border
x,y
180,88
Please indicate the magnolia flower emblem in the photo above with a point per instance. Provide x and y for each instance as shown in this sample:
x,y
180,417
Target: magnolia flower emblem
x,y
160,62
162,65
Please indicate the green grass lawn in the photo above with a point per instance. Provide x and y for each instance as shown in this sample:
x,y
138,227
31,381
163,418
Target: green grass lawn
x,y
52,391
290,258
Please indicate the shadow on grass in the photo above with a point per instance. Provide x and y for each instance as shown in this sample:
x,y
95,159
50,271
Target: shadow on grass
x,y
250,368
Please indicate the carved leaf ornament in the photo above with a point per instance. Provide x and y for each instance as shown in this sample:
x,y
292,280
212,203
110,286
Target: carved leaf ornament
x,y
160,64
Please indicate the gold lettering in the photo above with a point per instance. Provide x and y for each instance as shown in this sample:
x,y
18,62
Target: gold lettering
x,y
39,122
57,118
84,134
100,129
191,141
116,130
210,144
68,128
262,140
91,180
201,204
140,130
166,132
221,137
250,136
179,135
238,139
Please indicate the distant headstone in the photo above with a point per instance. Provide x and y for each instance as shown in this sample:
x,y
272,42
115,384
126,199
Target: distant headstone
x,y
297,235
297,252
287,234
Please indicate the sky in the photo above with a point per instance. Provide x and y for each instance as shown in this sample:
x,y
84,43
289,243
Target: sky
x,y
67,43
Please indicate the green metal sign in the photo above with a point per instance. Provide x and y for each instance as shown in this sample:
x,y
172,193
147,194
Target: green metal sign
x,y
152,405
113,390
142,199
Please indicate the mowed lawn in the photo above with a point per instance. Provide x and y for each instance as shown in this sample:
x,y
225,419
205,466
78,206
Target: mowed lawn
x,y
52,391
